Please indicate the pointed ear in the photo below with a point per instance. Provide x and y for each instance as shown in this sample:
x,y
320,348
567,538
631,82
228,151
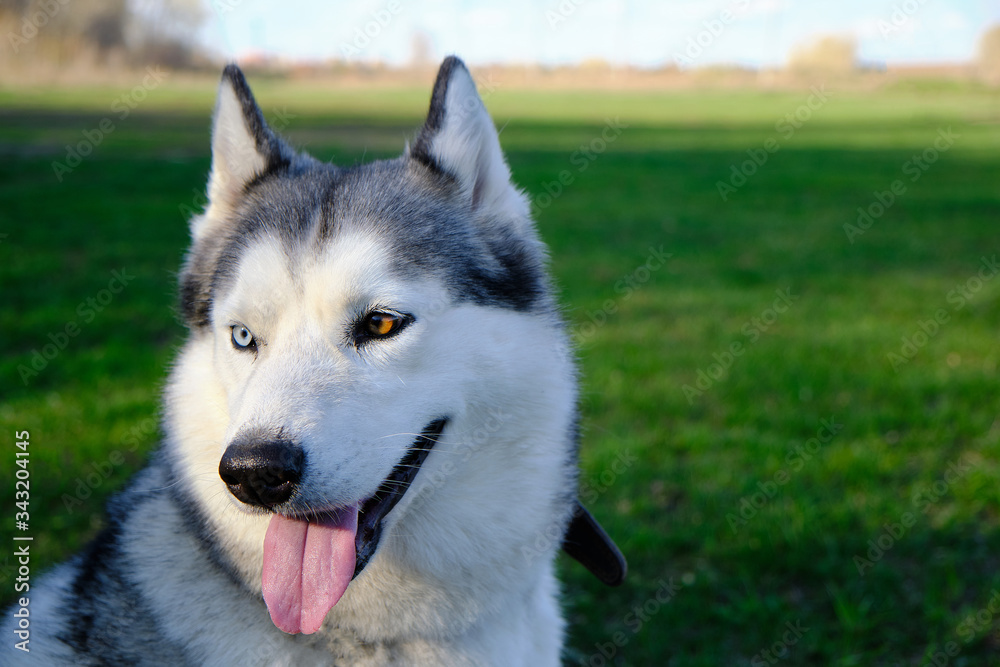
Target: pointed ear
x,y
243,148
458,138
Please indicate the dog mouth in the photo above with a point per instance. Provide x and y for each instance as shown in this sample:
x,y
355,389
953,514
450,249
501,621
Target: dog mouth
x,y
391,491
310,560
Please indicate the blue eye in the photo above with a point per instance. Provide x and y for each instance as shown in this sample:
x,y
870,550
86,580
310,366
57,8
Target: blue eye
x,y
242,338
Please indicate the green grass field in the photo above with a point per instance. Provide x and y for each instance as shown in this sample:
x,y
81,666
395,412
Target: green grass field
x,y
790,428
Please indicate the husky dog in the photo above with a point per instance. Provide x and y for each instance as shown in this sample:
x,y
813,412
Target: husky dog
x,y
370,434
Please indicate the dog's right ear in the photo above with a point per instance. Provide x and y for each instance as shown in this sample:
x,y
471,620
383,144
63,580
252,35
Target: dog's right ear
x,y
244,148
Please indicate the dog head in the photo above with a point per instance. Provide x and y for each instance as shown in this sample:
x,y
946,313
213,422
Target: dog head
x,y
376,366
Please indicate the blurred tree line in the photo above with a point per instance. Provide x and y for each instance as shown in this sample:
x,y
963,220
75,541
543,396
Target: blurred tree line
x,y
103,32
73,34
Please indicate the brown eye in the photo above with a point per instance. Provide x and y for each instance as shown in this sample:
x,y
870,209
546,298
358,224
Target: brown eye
x,y
379,325
382,324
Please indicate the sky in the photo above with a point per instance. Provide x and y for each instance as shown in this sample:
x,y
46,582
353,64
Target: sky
x,y
644,33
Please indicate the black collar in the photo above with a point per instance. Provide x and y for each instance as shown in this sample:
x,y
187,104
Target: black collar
x,y
587,542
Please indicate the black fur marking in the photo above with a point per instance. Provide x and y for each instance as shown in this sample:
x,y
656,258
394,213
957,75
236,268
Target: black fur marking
x,y
194,300
519,283
93,566
327,214
107,619
196,283
421,150
198,525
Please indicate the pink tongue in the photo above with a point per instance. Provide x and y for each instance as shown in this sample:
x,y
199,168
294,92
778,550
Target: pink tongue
x,y
307,567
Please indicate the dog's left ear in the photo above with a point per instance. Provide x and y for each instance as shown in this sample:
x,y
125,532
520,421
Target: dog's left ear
x,y
244,149
458,138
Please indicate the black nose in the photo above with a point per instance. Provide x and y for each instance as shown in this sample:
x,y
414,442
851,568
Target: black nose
x,y
262,473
